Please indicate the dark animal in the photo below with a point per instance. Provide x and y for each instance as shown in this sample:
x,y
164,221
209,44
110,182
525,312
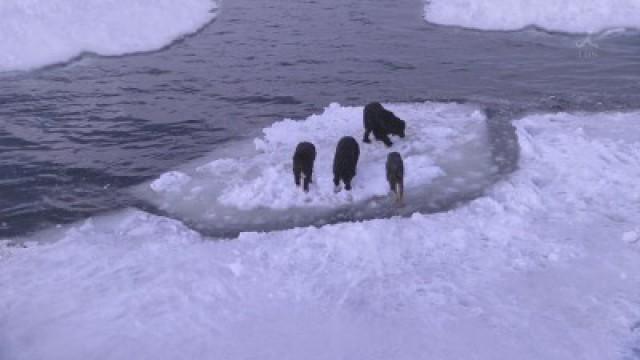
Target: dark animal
x,y
382,123
303,160
345,162
395,175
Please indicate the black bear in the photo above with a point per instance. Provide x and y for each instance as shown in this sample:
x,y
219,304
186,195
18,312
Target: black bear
x,y
395,175
345,162
303,160
381,122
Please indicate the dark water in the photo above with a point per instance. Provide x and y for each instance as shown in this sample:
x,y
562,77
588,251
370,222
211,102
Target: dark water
x,y
74,137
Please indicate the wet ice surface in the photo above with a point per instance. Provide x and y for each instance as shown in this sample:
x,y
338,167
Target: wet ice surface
x,y
446,154
542,267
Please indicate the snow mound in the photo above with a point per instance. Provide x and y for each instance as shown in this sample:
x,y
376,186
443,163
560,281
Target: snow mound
x,y
258,187
572,16
533,270
36,33
170,181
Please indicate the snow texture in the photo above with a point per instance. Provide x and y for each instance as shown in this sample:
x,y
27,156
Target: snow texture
x,y
533,270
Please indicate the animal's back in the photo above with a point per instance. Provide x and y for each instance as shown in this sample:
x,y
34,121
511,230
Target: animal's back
x,y
305,151
346,157
371,113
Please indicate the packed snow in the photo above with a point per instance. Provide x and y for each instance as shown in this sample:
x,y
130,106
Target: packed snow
x,y
573,16
35,33
546,265
445,152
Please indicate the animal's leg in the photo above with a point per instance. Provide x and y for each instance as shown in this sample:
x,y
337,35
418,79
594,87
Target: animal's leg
x,y
296,177
385,139
400,192
336,183
365,139
307,181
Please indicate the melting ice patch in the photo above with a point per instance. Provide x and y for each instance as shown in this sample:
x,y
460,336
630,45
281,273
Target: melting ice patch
x,y
573,16
545,266
34,33
445,152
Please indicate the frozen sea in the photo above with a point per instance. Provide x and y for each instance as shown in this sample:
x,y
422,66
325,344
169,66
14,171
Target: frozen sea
x,y
147,208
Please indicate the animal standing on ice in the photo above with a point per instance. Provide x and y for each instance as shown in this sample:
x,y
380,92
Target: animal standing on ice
x,y
395,175
303,160
345,162
382,123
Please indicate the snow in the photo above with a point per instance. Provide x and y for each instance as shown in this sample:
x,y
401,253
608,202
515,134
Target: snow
x,y
35,33
630,237
444,141
535,269
170,181
572,16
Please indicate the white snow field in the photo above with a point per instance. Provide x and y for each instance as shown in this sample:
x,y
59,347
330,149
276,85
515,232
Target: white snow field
x,y
573,16
254,185
545,266
35,33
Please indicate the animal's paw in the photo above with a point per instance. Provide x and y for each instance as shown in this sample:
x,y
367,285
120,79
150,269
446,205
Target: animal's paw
x,y
337,189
